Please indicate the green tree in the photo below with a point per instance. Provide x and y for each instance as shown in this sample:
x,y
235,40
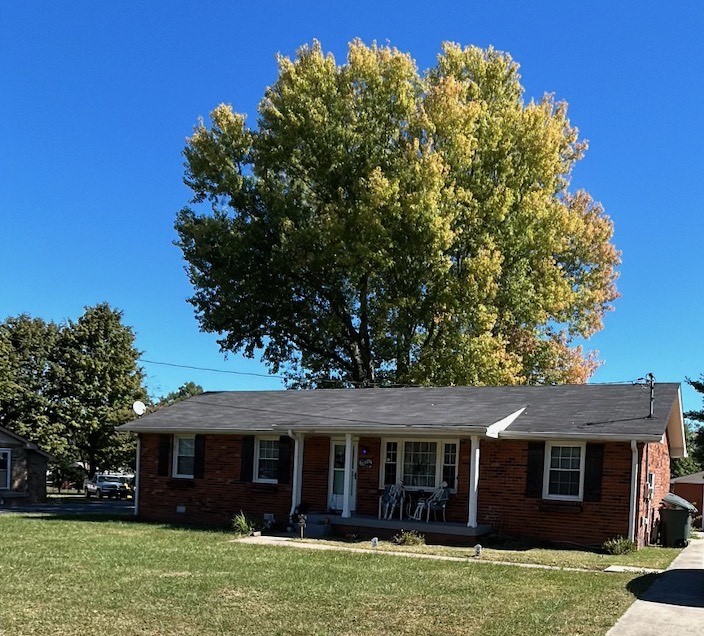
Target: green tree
x,y
95,382
189,389
27,355
694,431
694,438
386,226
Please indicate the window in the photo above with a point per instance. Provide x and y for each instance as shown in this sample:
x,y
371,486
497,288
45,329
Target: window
x,y
5,468
564,472
184,455
391,464
449,463
419,464
266,460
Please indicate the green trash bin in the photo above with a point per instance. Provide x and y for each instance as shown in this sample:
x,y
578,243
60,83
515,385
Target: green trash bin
x,y
676,526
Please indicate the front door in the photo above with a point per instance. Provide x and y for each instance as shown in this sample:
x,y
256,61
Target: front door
x,y
336,486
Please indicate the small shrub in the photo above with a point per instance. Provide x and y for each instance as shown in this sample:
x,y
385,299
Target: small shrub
x,y
410,537
241,525
619,545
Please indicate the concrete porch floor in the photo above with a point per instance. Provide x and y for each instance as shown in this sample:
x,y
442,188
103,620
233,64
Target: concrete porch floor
x,y
316,526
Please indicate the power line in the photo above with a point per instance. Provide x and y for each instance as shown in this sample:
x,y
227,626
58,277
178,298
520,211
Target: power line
x,y
188,366
323,380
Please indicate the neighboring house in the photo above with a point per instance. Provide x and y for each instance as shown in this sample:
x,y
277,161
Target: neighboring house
x,y
575,463
691,488
22,470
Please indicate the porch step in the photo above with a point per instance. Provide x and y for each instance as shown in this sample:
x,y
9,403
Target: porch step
x,y
317,526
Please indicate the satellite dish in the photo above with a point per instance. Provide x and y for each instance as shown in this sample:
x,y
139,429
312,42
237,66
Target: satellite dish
x,y
139,408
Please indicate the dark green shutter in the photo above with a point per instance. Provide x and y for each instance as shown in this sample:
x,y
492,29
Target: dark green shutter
x,y
284,459
165,444
199,458
247,466
534,470
593,469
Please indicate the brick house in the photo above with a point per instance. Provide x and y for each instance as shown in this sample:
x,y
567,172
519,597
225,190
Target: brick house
x,y
691,488
570,463
22,470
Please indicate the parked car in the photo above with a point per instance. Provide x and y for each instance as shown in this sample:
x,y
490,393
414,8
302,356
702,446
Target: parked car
x,y
105,486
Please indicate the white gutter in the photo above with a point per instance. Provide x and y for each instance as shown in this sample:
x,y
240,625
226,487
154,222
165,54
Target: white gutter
x,y
634,492
596,437
136,477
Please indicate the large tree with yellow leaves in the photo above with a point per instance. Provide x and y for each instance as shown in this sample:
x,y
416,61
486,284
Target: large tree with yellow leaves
x,y
385,226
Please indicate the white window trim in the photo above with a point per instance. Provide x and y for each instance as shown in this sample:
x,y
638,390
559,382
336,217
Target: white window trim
x,y
8,482
546,470
174,460
439,459
257,440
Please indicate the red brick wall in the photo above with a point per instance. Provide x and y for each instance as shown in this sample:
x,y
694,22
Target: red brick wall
x,y
653,458
316,463
502,501
211,500
368,478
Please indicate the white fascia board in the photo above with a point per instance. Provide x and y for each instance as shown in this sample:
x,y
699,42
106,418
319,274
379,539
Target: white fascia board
x,y
498,427
390,431
603,437
206,431
675,429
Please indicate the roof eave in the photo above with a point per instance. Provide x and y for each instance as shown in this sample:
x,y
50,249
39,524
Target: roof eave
x,y
675,429
599,437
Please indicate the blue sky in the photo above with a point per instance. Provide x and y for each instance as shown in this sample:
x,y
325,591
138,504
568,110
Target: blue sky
x,y
96,100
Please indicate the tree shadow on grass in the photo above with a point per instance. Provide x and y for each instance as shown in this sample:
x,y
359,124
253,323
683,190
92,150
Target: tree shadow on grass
x,y
98,517
683,587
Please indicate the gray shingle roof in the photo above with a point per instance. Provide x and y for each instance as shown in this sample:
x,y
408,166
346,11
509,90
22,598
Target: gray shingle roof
x,y
593,409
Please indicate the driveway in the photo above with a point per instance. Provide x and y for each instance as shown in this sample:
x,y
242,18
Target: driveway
x,y
673,604
76,505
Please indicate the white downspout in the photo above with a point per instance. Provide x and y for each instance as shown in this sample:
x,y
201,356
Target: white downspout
x,y
634,492
348,477
136,477
473,482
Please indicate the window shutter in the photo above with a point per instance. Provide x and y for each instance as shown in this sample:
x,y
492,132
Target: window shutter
x,y
284,459
247,465
199,458
593,469
165,444
534,470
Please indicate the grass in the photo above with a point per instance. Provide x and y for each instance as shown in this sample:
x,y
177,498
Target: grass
x,y
70,577
650,557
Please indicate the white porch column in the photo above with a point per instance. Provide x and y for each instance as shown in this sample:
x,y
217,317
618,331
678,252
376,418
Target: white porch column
x,y
473,481
297,485
348,476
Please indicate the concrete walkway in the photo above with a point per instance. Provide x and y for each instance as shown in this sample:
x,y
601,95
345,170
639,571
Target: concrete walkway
x,y
673,604
291,542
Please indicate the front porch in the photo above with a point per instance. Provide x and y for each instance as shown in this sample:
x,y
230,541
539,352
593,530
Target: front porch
x,y
321,525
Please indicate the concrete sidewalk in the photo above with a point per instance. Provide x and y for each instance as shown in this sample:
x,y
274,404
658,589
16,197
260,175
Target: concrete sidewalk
x,y
674,604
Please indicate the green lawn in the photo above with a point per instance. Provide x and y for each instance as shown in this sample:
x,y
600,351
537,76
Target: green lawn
x,y
651,557
103,577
